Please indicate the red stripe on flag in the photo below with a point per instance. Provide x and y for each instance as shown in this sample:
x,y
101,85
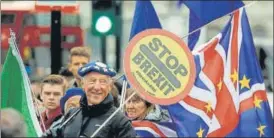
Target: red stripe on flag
x,y
209,45
248,103
214,66
225,110
150,125
198,104
234,45
225,113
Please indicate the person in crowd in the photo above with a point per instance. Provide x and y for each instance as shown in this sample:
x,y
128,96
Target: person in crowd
x,y
70,100
118,86
36,91
96,106
79,56
12,124
139,109
115,93
53,88
67,75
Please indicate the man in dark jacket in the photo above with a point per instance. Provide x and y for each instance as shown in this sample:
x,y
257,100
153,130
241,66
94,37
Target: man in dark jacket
x,y
95,107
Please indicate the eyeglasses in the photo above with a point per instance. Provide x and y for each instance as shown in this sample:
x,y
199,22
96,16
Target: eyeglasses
x,y
100,81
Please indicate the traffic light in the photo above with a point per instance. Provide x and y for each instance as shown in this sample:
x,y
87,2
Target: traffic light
x,y
103,17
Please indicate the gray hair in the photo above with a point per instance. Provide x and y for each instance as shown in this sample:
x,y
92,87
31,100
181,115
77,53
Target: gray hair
x,y
12,123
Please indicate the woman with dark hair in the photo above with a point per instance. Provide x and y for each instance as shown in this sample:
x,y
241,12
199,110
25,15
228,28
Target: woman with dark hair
x,y
67,75
139,109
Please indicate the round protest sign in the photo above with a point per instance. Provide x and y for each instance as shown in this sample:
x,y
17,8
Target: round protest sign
x,y
159,65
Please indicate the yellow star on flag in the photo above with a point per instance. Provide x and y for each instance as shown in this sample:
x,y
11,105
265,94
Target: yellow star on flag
x,y
208,107
261,130
219,85
200,132
257,102
234,76
245,83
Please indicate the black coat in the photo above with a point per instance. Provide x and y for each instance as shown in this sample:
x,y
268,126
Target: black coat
x,y
89,119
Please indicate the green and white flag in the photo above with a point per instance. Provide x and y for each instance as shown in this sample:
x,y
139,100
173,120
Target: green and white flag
x,y
15,89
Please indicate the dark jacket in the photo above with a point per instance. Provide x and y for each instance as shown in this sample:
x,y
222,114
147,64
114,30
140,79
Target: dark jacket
x,y
89,119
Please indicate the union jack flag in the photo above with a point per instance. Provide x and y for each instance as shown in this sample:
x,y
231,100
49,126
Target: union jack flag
x,y
151,129
228,97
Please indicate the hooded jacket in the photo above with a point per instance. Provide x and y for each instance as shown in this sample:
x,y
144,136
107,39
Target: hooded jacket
x,y
157,114
89,119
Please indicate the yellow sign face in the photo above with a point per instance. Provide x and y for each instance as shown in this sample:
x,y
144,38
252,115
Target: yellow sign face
x,y
159,66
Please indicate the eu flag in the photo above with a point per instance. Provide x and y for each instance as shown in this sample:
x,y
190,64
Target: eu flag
x,y
204,12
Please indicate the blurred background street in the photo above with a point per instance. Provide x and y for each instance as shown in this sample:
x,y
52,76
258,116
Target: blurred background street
x,y
32,29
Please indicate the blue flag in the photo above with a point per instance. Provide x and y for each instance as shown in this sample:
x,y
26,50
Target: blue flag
x,y
194,37
203,12
144,18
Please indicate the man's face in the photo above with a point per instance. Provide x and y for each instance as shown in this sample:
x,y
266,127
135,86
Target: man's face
x,y
76,63
51,95
97,86
72,102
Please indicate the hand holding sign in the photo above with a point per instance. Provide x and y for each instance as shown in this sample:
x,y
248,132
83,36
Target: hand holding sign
x,y
159,66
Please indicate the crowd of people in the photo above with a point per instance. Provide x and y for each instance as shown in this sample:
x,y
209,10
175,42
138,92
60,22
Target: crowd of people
x,y
78,100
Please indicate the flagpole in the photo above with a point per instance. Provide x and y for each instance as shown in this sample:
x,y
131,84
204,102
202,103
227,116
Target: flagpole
x,y
12,42
245,6
117,78
123,94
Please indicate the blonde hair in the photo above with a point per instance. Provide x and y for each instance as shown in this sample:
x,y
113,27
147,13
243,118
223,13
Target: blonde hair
x,y
149,105
80,51
55,80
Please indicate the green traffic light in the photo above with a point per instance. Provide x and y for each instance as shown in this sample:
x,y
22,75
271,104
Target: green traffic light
x,y
103,24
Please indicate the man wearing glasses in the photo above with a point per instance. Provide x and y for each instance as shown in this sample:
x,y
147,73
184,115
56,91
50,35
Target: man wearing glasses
x,y
95,107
